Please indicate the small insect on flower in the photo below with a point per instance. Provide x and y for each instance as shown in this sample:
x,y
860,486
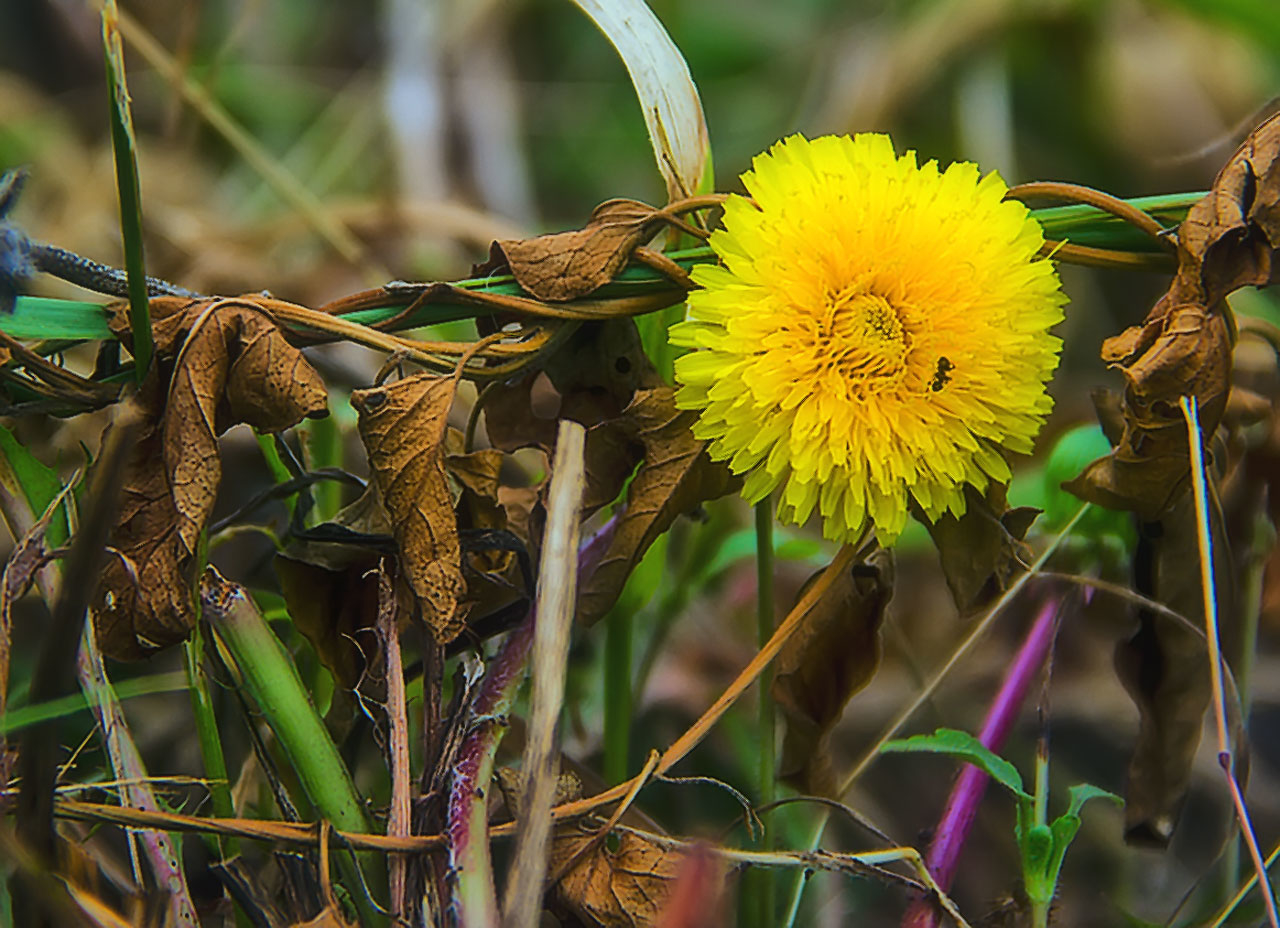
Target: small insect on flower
x,y
875,334
942,374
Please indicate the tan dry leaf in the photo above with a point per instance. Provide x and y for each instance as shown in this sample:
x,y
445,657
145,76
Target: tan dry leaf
x,y
1164,669
566,265
831,656
624,888
1183,347
232,365
403,428
675,476
982,550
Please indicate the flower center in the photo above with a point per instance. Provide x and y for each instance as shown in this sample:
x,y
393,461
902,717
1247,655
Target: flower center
x,y
864,335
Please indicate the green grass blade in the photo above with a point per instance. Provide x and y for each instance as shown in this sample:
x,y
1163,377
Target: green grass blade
x,y
36,317
123,145
20,717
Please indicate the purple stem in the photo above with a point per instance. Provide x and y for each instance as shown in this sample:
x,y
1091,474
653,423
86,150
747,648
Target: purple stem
x,y
466,822
962,804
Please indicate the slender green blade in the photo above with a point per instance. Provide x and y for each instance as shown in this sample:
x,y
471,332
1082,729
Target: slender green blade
x,y
123,145
36,317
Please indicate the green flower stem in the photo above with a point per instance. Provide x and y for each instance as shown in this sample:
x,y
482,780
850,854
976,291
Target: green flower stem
x,y
271,678
760,888
619,636
36,318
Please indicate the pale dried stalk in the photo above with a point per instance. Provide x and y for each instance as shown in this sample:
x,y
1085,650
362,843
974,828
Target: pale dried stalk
x,y
400,817
557,595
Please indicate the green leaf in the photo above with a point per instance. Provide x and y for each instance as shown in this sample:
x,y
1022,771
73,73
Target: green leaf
x,y
1083,792
124,145
1041,884
36,317
962,745
23,474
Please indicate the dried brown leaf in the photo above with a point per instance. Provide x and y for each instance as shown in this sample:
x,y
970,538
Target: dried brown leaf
x,y
1165,669
982,550
567,265
403,428
674,477
830,657
222,362
626,887
1183,348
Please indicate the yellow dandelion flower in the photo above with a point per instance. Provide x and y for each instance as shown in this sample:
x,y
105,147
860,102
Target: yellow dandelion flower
x,y
875,333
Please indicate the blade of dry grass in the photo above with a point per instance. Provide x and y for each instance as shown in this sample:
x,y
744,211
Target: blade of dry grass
x,y
399,819
1226,759
162,854
557,595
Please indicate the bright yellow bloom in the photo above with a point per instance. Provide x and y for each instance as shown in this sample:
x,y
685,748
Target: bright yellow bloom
x,y
876,332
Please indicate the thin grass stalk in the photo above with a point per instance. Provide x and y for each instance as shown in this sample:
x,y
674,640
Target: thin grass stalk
x,y
123,147
271,678
1226,759
759,885
961,810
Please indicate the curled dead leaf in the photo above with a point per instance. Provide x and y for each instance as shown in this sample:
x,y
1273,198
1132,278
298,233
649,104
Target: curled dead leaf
x,y
403,428
1164,668
829,658
220,363
1183,348
624,887
566,265
982,550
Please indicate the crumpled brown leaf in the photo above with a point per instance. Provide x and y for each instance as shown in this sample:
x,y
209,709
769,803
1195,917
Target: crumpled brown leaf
x,y
1165,670
566,265
831,656
625,887
220,362
675,476
403,428
1183,347
982,550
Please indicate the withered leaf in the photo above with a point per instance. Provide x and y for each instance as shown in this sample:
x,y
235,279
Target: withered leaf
x,y
220,362
567,265
1183,348
403,428
982,550
234,366
832,656
1165,669
674,477
626,887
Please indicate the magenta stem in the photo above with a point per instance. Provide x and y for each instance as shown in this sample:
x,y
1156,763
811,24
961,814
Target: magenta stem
x,y
962,804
